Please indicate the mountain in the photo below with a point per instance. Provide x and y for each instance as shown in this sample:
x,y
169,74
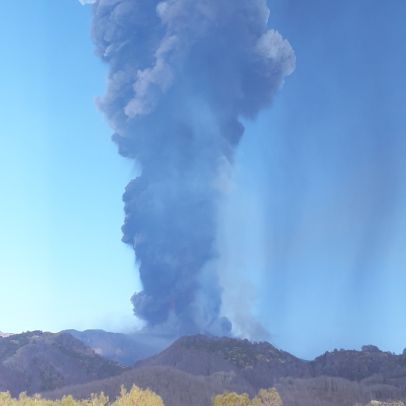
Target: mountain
x,y
123,348
369,363
194,368
36,361
261,364
2,335
258,364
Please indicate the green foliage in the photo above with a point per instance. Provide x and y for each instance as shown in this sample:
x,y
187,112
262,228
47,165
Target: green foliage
x,y
136,397
268,397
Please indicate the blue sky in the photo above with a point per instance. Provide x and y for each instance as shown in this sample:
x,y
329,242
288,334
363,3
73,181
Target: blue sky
x,y
324,174
62,261
313,233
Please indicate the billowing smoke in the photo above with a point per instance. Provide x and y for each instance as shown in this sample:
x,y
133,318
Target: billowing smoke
x,y
182,73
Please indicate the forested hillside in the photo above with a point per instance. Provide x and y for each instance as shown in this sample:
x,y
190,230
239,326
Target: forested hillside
x,y
35,362
123,348
195,368
178,388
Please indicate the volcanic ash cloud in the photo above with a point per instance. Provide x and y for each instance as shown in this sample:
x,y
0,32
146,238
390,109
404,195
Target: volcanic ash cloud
x,y
182,73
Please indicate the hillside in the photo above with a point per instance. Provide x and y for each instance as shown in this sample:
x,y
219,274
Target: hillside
x,y
176,388
261,364
194,368
123,348
371,363
37,361
258,364
179,388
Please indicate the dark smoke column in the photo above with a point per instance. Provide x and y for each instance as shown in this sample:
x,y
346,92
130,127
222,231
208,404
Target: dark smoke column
x,y
182,73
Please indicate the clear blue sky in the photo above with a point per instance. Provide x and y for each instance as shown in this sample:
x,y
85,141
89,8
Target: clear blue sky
x,y
313,234
62,262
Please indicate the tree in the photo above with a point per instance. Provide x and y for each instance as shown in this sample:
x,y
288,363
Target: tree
x,y
98,400
268,397
6,399
138,397
65,401
231,399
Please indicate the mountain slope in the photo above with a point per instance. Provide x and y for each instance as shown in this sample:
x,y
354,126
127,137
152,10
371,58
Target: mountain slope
x,y
370,363
123,348
176,388
37,361
194,368
259,364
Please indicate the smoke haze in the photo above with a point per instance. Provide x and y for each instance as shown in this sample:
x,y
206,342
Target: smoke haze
x,y
318,222
182,74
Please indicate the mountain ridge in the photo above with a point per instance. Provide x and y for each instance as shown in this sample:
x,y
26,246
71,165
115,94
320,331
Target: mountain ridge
x,y
261,364
123,348
37,361
194,368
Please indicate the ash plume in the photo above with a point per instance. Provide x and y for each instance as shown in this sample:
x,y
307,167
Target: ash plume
x,y
182,73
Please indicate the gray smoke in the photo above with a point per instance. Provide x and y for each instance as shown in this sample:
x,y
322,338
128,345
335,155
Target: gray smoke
x,y
182,73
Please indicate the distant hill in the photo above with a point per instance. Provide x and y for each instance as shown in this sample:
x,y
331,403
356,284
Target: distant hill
x,y
36,362
369,363
194,368
261,364
258,364
123,348
179,388
175,387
